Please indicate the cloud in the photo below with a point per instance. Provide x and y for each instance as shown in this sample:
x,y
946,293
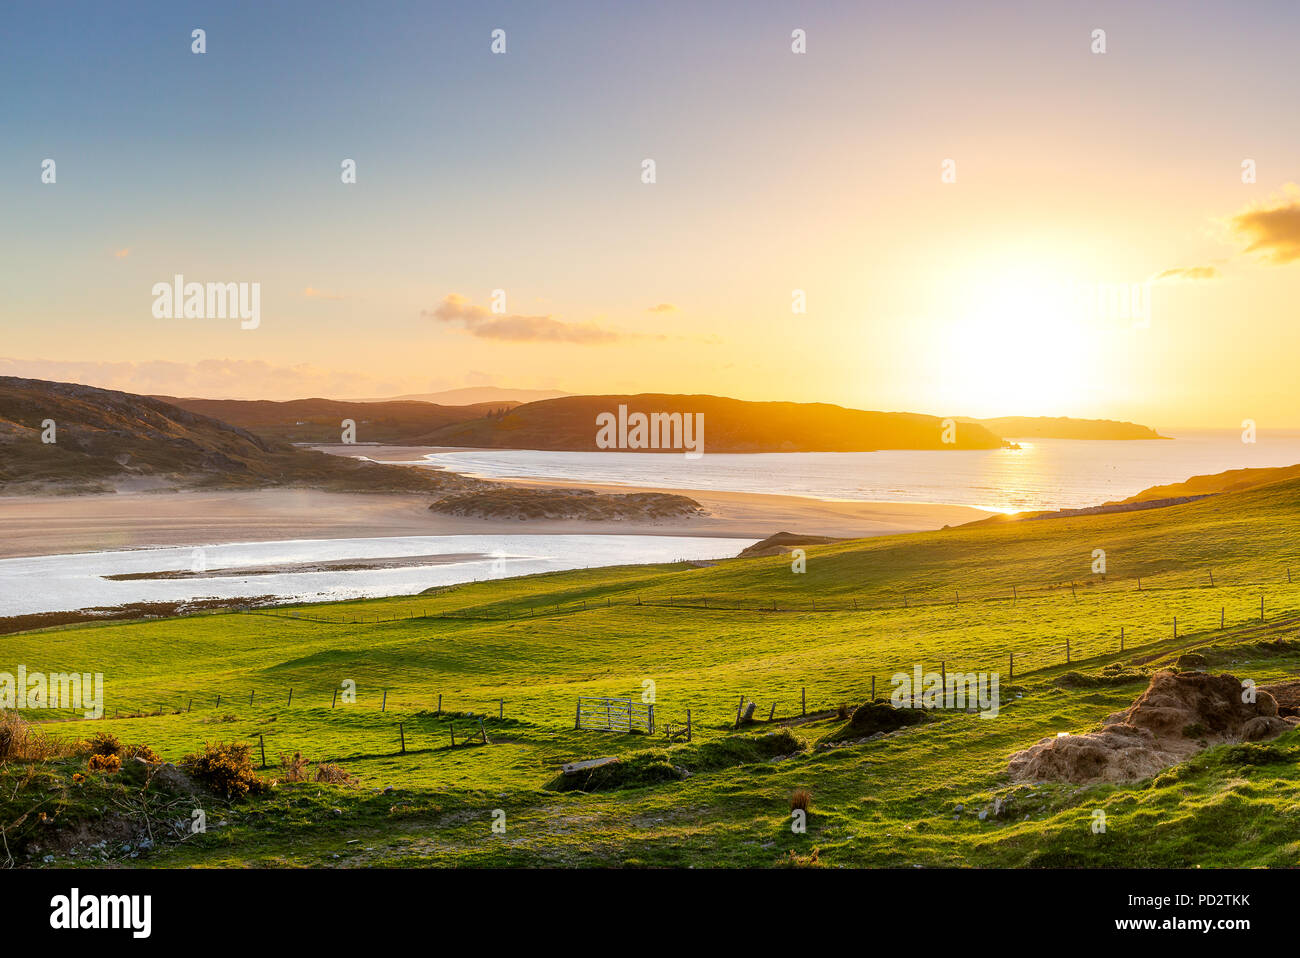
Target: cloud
x,y
311,292
209,378
662,308
509,327
1187,272
123,253
1272,229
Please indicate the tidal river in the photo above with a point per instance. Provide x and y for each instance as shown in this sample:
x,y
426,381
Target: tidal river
x,y
321,569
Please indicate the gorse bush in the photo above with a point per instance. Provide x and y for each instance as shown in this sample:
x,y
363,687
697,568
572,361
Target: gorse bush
x,y
224,768
107,764
105,744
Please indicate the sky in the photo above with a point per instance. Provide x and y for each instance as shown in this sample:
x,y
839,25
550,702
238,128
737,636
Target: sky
x,y
982,215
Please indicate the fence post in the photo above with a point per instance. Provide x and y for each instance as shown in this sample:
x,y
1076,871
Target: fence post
x,y
1221,610
1011,666
383,706
1261,608
262,743
1121,638
577,716
250,696
1211,578
334,699
1074,595
190,706
452,727
738,708
652,718
290,702
803,701
873,687
1014,597
1175,627
1067,650
501,710
688,725
218,700
402,735
481,730
943,677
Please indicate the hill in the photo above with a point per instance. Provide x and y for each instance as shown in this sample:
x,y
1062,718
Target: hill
x,y
1064,427
476,395
102,437
730,425
407,423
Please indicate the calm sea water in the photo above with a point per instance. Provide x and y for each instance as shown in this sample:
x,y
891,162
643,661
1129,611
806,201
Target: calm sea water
x,y
1042,474
61,583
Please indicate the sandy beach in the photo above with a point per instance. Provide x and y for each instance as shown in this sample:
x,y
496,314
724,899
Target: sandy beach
x,y
45,525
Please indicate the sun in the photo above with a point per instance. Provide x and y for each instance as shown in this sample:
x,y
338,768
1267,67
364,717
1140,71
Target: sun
x,y
1021,347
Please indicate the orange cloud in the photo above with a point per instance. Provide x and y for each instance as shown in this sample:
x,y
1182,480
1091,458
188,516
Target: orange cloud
x,y
1273,230
509,327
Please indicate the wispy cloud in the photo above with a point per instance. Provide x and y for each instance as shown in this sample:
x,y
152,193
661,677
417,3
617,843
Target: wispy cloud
x,y
1272,229
1187,272
510,327
662,308
123,253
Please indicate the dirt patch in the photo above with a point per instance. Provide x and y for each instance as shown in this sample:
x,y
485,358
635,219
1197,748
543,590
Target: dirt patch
x,y
1287,695
1178,715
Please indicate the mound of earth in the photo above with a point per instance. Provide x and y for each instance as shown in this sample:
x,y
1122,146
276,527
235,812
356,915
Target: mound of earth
x,y
1178,715
523,504
876,717
783,542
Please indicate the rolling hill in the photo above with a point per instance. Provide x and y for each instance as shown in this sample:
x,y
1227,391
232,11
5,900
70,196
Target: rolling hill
x,y
101,436
408,423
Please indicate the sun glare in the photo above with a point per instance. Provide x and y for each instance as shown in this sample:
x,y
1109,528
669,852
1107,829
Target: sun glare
x,y
1020,348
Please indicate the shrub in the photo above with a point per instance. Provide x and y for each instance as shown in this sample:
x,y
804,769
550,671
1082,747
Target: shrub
x,y
143,752
842,712
105,744
800,799
295,768
331,774
108,764
20,740
224,768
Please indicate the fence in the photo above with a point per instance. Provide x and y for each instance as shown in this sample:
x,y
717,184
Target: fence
x,y
613,715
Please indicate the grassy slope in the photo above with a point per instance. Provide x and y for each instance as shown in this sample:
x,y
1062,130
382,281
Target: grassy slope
x,y
889,802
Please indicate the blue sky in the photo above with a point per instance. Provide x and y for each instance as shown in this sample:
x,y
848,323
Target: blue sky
x,y
478,172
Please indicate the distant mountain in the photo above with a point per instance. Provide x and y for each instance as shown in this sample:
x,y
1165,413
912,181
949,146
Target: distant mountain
x,y
731,425
1063,427
101,436
473,395
407,423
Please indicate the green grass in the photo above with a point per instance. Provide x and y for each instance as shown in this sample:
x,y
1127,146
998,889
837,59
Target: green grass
x,y
892,801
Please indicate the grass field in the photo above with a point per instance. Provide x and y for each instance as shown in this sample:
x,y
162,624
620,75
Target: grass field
x,y
705,637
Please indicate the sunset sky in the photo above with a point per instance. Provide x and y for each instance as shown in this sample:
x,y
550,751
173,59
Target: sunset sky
x,y
775,171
